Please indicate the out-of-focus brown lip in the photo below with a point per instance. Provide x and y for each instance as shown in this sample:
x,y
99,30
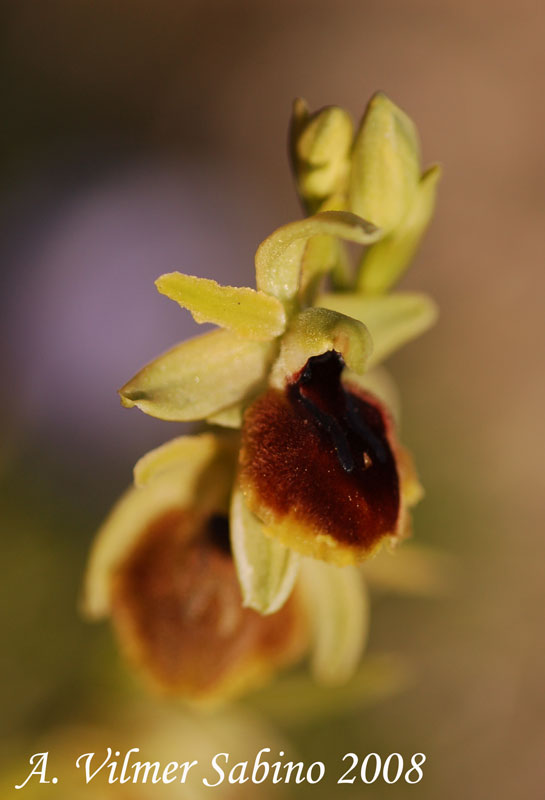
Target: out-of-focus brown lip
x,y
322,453
178,611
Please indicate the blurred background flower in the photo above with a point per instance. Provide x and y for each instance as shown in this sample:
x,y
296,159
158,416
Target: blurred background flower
x,y
131,131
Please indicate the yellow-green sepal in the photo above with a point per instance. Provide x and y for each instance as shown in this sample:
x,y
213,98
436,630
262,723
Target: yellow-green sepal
x,y
385,165
321,255
254,315
385,262
167,478
278,258
325,255
320,151
392,320
188,455
338,609
266,569
199,377
316,331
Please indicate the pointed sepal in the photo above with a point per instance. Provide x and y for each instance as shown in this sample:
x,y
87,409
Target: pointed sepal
x,y
266,569
392,320
199,377
254,315
278,258
338,608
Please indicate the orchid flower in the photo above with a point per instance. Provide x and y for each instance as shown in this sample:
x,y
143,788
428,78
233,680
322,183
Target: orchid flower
x,y
236,550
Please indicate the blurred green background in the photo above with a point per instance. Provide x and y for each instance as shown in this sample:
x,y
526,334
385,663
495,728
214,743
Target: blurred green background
x,y
143,137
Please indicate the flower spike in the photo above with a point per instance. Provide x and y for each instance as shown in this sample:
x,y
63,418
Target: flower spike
x,y
234,553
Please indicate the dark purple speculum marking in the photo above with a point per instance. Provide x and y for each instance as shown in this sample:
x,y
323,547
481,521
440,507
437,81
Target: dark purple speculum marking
x,y
337,411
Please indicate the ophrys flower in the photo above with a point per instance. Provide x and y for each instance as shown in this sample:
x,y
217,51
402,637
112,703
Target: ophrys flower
x,y
318,479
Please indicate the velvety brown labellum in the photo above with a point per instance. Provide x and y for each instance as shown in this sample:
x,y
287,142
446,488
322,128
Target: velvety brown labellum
x,y
178,609
321,453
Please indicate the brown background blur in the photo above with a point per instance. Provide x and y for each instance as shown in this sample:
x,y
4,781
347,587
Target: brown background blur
x,y
141,137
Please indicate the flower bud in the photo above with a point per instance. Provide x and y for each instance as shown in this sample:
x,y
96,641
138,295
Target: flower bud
x,y
320,150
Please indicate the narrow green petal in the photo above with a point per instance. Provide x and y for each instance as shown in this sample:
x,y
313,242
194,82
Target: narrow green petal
x,y
385,165
278,258
315,331
266,569
189,453
199,377
339,613
392,319
320,150
244,311
385,261
321,255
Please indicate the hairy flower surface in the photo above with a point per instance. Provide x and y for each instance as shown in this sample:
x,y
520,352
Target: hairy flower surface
x,y
335,491
162,569
317,479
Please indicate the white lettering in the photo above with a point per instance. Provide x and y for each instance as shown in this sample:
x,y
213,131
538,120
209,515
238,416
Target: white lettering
x,y
39,768
241,776
218,769
88,775
258,764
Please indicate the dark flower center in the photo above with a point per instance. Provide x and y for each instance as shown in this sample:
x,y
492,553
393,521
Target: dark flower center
x,y
348,425
218,533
